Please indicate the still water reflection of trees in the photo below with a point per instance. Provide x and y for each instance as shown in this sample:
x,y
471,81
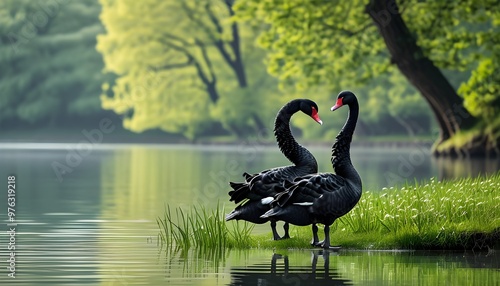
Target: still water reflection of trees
x,y
197,174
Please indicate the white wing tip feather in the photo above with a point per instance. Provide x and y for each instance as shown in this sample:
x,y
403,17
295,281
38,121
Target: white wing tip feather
x,y
266,201
304,204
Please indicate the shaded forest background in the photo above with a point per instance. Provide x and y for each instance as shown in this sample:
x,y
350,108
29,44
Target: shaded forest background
x,y
198,69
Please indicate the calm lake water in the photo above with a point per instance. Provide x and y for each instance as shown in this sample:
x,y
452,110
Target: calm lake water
x,y
92,220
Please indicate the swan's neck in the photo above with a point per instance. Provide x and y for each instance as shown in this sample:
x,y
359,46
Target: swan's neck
x,y
341,157
294,152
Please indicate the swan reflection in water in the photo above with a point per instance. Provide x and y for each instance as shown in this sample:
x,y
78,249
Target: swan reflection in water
x,y
286,274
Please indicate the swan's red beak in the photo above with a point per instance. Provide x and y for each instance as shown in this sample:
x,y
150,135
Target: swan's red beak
x,y
315,116
337,105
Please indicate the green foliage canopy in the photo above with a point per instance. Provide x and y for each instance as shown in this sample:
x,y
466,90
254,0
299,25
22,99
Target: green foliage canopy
x,y
336,43
50,69
183,67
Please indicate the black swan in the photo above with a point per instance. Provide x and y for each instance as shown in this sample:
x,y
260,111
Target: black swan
x,y
258,189
324,197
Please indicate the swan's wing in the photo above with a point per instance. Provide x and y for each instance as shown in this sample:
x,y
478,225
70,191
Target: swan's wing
x,y
248,176
258,186
241,191
279,175
336,203
271,182
308,189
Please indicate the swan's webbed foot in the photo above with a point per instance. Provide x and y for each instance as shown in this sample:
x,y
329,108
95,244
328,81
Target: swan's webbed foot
x,y
324,245
283,237
329,247
318,243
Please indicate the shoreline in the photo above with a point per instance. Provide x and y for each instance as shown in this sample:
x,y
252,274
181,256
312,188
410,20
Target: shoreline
x,y
378,142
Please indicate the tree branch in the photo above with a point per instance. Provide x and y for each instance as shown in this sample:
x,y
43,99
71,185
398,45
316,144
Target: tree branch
x,y
207,60
189,62
177,38
208,81
218,27
213,18
189,14
218,42
229,5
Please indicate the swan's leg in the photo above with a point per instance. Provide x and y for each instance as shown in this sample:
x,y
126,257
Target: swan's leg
x,y
326,241
275,233
286,227
315,240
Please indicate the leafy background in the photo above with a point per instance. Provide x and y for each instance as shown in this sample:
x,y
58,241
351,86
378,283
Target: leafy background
x,y
213,68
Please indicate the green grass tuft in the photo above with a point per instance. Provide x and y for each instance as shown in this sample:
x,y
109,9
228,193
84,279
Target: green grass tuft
x,y
206,231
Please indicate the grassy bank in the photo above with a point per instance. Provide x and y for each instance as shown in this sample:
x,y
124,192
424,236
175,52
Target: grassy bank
x,y
461,214
480,140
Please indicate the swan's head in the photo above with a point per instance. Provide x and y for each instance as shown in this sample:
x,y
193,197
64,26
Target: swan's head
x,y
310,108
344,98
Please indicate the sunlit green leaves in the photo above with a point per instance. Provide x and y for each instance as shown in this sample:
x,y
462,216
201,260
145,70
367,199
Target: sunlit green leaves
x,y
310,42
175,61
482,91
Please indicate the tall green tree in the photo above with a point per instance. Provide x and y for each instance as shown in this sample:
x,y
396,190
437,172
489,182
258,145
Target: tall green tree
x,y
183,67
51,72
315,41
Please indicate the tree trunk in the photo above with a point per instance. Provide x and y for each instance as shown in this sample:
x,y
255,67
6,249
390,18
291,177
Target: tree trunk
x,y
238,66
239,70
237,63
211,88
445,103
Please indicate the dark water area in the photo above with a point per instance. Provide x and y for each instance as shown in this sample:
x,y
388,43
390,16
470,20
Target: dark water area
x,y
89,218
